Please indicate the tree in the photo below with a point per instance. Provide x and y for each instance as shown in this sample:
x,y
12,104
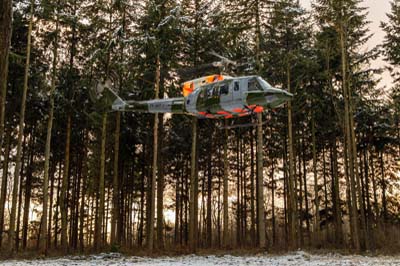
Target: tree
x,y
193,202
260,189
5,30
11,233
43,234
286,48
390,44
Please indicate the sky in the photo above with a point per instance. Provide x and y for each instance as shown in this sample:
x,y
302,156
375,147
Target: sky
x,y
377,10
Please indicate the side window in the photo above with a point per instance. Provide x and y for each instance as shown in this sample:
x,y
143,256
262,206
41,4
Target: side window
x,y
236,86
215,91
224,90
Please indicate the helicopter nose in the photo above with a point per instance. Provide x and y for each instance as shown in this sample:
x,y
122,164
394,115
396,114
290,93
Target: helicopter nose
x,y
285,95
281,94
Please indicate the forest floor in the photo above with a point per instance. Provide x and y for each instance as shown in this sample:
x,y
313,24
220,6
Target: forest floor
x,y
297,258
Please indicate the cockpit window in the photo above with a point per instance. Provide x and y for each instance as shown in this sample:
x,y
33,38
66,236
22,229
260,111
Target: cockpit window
x,y
253,85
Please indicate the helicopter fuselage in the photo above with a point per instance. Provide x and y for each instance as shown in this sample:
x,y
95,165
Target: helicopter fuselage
x,y
226,97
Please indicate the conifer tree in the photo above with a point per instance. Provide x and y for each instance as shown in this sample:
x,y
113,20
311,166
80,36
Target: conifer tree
x,y
391,42
5,30
13,216
43,234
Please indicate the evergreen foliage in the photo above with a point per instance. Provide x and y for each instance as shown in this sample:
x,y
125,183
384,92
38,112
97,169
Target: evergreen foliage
x,y
330,165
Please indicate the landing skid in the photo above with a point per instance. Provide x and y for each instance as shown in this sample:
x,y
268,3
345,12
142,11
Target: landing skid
x,y
242,125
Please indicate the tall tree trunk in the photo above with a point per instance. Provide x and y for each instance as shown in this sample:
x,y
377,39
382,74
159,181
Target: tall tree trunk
x,y
152,203
305,187
58,206
273,203
178,184
21,183
316,188
5,42
260,191
115,210
363,228
98,244
142,198
252,189
225,192
20,193
64,187
193,190
324,175
83,197
28,191
43,234
292,190
369,216
209,197
50,213
374,187
349,141
337,211
4,180
238,196
383,185
160,187
17,169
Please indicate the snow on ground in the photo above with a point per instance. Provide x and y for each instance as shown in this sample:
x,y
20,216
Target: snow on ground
x,y
298,258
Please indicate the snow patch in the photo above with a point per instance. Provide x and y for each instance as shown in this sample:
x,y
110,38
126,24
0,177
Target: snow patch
x,y
297,258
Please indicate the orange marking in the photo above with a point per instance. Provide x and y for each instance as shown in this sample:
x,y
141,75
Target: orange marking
x,y
214,78
228,116
258,109
188,88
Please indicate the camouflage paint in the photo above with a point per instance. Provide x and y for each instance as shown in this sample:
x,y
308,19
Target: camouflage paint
x,y
218,97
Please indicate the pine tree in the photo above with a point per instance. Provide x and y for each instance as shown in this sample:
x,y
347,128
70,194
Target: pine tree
x,y
11,233
5,30
349,22
44,230
285,49
391,42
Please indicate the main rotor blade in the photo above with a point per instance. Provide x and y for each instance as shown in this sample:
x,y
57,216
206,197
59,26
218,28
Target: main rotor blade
x,y
198,70
224,60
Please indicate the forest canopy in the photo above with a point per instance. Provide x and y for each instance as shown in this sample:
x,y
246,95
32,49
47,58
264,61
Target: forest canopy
x,y
323,171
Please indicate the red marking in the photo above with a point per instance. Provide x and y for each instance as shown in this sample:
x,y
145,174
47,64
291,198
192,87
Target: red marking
x,y
243,114
210,116
202,113
258,109
223,113
228,116
238,110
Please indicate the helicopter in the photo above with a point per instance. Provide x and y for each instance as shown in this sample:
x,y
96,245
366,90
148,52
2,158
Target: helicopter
x,y
214,96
